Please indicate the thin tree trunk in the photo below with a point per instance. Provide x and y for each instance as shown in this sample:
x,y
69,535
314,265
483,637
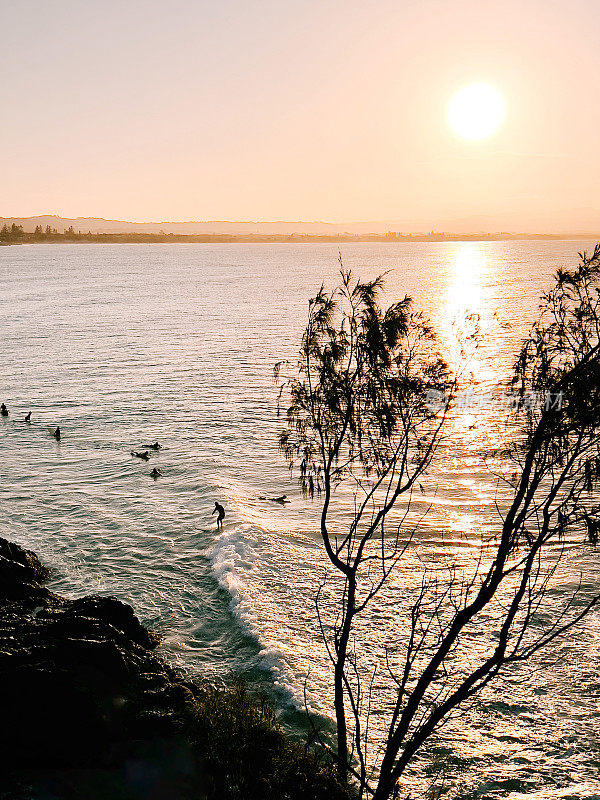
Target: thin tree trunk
x,y
339,674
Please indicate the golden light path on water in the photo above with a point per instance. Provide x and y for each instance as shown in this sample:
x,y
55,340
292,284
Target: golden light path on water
x,y
177,343
468,326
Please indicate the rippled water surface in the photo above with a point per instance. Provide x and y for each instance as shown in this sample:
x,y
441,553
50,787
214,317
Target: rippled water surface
x,y
123,345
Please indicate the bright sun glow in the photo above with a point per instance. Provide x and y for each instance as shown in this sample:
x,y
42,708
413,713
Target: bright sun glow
x,y
476,111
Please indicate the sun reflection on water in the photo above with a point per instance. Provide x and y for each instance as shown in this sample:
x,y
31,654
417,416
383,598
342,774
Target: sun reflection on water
x,y
467,317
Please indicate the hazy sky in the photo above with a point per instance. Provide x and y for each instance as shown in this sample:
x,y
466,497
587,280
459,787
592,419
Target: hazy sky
x,y
297,109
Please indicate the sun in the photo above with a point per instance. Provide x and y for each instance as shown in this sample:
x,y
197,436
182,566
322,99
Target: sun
x,y
476,111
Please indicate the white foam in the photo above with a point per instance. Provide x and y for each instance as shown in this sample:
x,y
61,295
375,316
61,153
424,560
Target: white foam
x,y
235,559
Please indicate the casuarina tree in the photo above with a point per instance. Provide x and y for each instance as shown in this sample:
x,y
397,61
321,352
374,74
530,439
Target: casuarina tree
x,y
366,408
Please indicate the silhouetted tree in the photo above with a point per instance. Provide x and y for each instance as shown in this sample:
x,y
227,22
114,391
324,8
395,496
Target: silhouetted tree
x,y
357,416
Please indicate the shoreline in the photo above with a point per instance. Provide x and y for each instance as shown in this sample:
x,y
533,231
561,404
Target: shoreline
x,y
172,238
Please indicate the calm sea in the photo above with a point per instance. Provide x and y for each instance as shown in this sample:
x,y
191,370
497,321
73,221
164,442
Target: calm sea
x,y
123,345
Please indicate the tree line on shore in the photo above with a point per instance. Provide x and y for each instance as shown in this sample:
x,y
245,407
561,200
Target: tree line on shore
x,y
16,234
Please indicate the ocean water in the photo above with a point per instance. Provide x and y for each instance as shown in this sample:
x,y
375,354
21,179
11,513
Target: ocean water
x,y
123,345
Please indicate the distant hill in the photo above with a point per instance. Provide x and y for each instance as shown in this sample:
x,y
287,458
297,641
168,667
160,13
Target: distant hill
x,y
572,222
96,225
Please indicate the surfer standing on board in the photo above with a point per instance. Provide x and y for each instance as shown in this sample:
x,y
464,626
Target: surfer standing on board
x,y
220,514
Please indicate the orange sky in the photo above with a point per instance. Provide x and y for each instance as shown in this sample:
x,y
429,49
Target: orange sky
x,y
299,109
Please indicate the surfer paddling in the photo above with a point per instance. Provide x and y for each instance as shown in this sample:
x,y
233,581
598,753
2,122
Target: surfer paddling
x,y
281,499
220,514
143,454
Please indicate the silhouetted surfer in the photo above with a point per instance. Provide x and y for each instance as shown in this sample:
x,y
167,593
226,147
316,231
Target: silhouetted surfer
x,y
281,499
57,434
220,514
4,410
28,417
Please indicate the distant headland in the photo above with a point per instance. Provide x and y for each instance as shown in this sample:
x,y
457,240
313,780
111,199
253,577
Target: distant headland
x,y
26,230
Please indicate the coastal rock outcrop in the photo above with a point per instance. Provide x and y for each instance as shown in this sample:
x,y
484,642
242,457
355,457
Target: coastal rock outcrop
x,y
80,685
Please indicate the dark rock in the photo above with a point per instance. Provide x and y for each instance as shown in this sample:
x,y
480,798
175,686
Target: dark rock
x,y
113,612
24,563
21,575
80,685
